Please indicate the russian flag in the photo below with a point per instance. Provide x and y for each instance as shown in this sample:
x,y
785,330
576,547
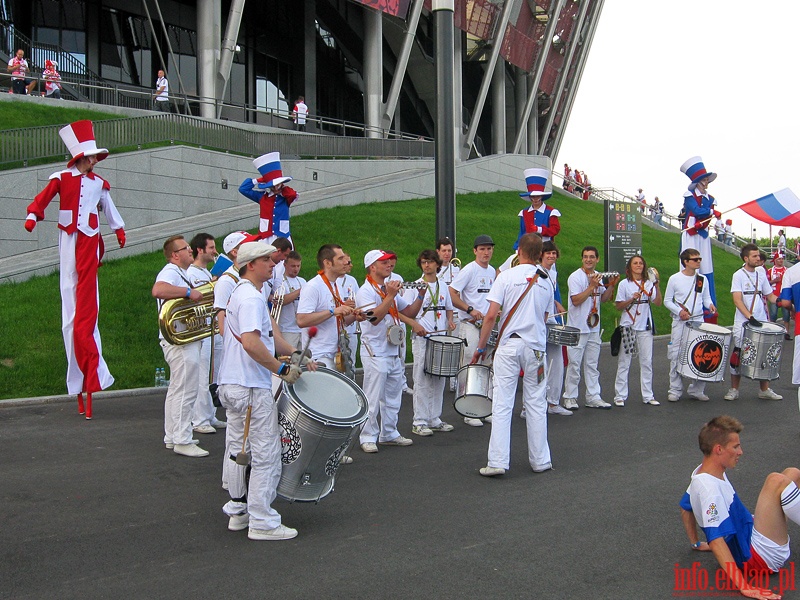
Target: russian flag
x,y
781,208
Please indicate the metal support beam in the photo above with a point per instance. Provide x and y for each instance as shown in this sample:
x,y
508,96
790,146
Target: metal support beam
x,y
443,12
208,36
402,64
574,41
499,108
533,88
227,51
459,134
573,90
309,90
373,71
520,95
497,42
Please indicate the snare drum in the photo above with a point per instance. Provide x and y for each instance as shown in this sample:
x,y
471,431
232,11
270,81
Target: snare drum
x,y
474,391
704,351
761,351
318,417
443,355
563,335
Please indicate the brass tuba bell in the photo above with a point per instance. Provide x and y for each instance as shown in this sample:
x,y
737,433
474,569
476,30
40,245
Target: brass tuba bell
x,y
183,321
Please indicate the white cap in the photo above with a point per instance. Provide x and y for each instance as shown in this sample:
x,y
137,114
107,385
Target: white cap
x,y
375,255
250,251
234,239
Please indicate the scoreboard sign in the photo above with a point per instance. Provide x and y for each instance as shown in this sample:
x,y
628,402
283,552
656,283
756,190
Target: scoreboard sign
x,y
623,229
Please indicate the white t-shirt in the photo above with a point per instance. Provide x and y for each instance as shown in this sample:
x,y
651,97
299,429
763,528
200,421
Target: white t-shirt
x,y
20,67
301,110
246,312
373,335
473,284
164,95
639,309
507,263
437,295
578,282
316,297
224,287
552,281
528,321
751,285
348,288
173,275
198,275
288,320
681,293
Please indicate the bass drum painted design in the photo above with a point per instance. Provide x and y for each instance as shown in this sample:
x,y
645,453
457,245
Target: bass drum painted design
x,y
474,391
443,355
760,356
318,415
704,351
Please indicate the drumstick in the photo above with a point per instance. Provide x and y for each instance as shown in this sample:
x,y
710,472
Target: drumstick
x,y
364,305
241,458
312,332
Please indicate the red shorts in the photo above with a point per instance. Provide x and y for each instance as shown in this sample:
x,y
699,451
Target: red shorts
x,y
755,563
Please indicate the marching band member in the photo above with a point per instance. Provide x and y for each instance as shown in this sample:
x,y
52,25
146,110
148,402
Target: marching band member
x,y
435,315
686,296
749,286
555,353
520,346
586,292
538,217
204,415
448,270
635,294
468,293
83,194
322,305
348,287
699,206
245,389
183,359
273,197
383,351
292,285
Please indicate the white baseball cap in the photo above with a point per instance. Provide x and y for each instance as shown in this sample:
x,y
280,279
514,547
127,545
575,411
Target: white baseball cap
x,y
250,251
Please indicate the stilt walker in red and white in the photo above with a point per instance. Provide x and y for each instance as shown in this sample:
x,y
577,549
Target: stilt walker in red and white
x,y
82,194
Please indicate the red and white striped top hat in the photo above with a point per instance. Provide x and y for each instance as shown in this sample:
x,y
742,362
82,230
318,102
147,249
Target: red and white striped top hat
x,y
79,139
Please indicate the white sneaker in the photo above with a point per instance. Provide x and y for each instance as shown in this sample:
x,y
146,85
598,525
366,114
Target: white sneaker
x,y
369,447
619,402
598,403
238,522
571,403
652,402
281,532
442,426
768,394
204,429
557,409
421,430
408,390
703,397
473,422
488,419
170,445
492,471
218,424
398,441
732,394
190,450
672,397
346,460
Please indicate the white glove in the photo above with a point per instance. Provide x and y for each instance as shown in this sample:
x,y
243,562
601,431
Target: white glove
x,y
291,373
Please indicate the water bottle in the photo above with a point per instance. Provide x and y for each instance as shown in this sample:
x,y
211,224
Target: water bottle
x,y
164,380
157,378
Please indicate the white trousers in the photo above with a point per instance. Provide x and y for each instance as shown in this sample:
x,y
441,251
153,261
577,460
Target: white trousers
x,y
697,386
428,389
264,443
587,352
184,368
204,411
644,343
383,386
509,358
555,373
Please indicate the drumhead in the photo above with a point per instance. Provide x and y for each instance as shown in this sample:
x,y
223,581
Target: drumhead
x,y
445,339
772,328
328,395
711,328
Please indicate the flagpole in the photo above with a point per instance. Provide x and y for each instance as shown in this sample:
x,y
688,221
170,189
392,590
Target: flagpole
x,y
696,223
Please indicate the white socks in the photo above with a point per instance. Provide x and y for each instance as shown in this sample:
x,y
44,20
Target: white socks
x,y
790,502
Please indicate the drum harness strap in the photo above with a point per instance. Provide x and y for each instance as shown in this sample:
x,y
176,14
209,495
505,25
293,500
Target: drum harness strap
x,y
643,289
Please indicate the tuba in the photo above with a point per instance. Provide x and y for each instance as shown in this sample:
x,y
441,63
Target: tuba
x,y
183,321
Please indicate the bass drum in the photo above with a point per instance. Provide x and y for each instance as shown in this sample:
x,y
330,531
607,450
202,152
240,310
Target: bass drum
x,y
760,356
318,416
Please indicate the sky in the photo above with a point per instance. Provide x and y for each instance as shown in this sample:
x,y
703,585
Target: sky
x,y
666,81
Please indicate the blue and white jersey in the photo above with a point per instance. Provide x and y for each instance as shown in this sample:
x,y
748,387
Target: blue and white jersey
x,y
790,290
720,513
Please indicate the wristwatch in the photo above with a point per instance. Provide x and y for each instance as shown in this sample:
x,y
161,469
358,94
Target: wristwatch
x,y
470,309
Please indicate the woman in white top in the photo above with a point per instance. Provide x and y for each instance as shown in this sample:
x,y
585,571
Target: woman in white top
x,y
635,294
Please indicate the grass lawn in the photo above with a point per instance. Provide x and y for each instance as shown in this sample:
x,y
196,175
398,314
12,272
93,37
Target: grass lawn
x,y
16,115
32,359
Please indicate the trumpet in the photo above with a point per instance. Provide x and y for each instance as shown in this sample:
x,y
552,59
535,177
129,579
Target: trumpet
x,y
456,262
277,301
183,321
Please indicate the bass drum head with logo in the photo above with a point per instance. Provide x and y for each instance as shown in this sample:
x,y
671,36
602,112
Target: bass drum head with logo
x,y
704,351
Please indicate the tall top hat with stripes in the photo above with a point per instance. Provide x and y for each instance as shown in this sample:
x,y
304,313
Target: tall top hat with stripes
x,y
695,170
79,138
269,165
536,181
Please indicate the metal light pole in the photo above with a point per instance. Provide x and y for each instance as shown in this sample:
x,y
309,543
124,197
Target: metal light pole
x,y
444,131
